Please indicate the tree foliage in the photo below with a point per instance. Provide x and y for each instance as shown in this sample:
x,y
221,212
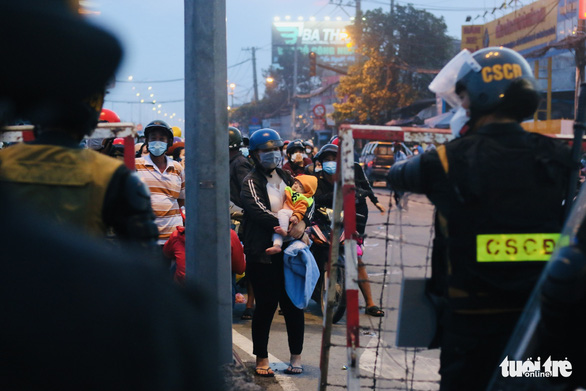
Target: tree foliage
x,y
278,94
395,51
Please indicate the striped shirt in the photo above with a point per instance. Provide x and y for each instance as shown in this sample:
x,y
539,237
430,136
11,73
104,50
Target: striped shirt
x,y
166,188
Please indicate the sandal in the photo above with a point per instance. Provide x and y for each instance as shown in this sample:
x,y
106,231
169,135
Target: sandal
x,y
247,314
291,370
264,372
374,311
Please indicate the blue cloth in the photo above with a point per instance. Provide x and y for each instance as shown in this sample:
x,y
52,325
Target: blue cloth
x,y
301,273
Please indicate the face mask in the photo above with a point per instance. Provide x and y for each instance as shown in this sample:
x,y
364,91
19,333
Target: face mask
x,y
244,151
157,148
297,157
308,151
329,167
270,160
458,121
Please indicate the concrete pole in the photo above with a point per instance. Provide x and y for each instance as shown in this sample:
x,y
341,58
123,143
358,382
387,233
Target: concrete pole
x,y
580,56
207,186
254,81
294,99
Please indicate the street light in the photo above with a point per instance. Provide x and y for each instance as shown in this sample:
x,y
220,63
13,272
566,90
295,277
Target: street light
x,y
270,80
232,87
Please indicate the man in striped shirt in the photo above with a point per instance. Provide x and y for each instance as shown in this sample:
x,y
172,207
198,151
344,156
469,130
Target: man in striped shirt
x,y
164,177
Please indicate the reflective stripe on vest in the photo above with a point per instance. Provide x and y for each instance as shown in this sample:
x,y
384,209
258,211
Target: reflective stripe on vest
x,y
515,247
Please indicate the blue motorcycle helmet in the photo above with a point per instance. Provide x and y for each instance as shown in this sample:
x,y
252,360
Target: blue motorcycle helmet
x,y
265,139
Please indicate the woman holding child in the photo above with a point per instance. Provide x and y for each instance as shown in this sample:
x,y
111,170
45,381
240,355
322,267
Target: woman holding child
x,y
263,195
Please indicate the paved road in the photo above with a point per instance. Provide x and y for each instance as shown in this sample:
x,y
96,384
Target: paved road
x,y
388,262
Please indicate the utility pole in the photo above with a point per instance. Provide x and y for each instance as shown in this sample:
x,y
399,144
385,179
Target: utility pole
x,y
580,57
254,74
392,7
358,18
294,94
254,82
207,185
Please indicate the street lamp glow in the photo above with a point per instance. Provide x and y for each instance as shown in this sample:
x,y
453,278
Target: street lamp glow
x,y
277,18
232,85
300,18
138,94
150,88
270,80
312,18
338,18
130,78
142,101
327,18
154,108
159,112
287,17
152,95
159,106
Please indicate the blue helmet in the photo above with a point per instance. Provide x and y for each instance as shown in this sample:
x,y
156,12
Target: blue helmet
x,y
265,139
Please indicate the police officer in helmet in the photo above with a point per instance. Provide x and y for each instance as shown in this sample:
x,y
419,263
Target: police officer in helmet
x,y
498,192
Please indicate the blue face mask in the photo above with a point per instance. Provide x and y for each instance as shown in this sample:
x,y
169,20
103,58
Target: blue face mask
x,y
244,151
270,160
329,167
157,148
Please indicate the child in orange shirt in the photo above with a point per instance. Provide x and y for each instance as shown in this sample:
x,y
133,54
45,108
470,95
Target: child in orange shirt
x,y
298,198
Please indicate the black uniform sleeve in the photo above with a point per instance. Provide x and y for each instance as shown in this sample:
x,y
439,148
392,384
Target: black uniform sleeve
x,y
255,207
127,208
363,188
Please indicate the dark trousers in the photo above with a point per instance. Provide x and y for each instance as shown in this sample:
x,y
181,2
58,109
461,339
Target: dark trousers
x,y
268,283
362,209
472,348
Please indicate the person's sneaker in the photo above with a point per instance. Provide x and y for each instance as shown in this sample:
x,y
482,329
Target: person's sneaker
x,y
247,314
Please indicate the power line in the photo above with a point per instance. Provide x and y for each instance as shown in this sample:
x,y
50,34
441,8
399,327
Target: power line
x,y
152,81
240,63
146,103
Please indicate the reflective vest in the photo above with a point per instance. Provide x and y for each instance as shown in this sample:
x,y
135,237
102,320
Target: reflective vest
x,y
503,219
67,185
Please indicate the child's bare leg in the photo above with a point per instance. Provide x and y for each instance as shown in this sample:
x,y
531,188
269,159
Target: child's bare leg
x,y
277,243
280,231
275,249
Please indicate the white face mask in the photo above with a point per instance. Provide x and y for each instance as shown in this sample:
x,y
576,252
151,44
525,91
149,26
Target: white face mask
x,y
297,157
458,121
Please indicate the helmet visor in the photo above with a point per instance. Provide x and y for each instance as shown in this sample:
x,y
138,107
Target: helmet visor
x,y
444,84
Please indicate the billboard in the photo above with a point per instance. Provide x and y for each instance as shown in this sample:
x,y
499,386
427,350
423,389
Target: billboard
x,y
325,38
471,37
528,27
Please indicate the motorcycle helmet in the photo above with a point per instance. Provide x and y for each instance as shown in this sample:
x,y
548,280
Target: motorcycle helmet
x,y
159,125
265,139
295,144
234,138
328,148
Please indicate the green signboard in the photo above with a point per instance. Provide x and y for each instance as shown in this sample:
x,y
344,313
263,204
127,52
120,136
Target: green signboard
x,y
328,39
